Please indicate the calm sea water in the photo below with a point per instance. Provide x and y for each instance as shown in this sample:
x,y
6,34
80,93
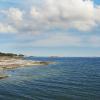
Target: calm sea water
x,y
68,79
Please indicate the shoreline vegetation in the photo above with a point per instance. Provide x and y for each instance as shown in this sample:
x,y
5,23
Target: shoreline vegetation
x,y
12,61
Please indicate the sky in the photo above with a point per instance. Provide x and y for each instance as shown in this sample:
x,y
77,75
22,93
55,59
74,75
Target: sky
x,y
69,28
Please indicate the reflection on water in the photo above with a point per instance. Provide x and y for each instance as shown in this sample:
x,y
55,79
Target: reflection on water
x,y
69,79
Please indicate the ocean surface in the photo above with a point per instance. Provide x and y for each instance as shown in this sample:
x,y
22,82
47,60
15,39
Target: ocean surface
x,y
68,79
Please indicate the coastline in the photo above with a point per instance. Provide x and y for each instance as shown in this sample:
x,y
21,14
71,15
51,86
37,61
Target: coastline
x,y
13,63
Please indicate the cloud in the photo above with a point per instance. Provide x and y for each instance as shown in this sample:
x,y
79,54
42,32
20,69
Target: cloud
x,y
94,41
15,14
58,40
12,19
34,12
97,14
81,15
7,28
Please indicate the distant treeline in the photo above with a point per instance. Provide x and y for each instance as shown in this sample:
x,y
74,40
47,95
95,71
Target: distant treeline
x,y
11,55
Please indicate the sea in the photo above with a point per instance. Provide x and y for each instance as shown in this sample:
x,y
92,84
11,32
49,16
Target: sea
x,y
70,78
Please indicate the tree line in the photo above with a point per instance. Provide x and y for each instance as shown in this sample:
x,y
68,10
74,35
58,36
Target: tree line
x,y
11,54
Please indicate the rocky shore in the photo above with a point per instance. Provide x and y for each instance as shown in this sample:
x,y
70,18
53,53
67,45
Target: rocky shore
x,y
15,63
12,63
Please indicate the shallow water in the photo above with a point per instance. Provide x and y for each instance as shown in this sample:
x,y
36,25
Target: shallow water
x,y
68,79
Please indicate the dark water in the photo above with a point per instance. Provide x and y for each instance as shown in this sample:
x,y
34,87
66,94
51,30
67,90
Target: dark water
x,y
69,79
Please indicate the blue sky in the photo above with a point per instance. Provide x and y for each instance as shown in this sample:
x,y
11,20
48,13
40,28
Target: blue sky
x,y
97,1
50,27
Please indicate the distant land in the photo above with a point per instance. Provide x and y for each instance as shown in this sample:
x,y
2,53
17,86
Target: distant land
x,y
10,55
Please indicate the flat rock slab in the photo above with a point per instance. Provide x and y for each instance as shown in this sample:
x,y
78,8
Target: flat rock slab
x,y
3,76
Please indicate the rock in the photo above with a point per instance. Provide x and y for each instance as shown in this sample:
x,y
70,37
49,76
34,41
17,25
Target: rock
x,y
3,76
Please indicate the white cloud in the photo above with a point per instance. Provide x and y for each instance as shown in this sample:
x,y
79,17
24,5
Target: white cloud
x,y
97,14
76,14
15,14
94,41
58,40
34,12
12,20
6,28
82,15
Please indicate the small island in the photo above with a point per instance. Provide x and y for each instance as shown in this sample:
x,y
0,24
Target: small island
x,y
12,61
